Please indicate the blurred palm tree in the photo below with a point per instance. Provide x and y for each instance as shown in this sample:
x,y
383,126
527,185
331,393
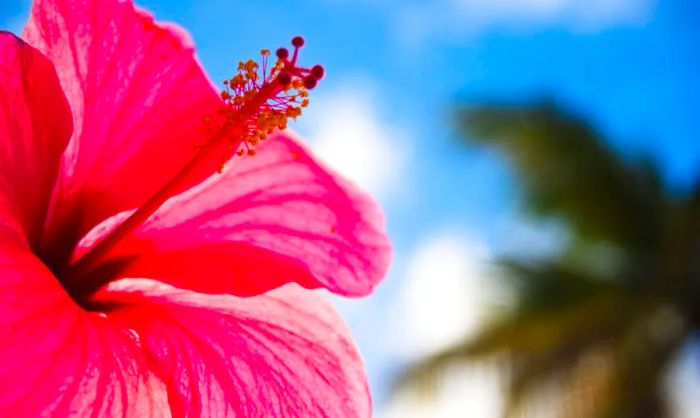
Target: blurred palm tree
x,y
597,327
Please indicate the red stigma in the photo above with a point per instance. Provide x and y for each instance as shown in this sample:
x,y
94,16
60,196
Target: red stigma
x,y
317,72
298,41
283,53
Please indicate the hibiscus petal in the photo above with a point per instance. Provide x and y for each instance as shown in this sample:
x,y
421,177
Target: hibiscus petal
x,y
283,354
267,220
57,359
139,98
35,125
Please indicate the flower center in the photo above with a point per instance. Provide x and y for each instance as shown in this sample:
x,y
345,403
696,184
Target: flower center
x,y
258,99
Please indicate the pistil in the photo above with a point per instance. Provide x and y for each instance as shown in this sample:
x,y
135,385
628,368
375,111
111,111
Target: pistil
x,y
256,101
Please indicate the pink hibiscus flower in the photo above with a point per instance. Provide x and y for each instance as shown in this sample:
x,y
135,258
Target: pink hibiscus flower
x,y
139,275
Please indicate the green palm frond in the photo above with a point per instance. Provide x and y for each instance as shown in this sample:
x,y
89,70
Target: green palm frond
x,y
567,171
597,327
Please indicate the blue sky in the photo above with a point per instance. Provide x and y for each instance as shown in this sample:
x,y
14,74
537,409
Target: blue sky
x,y
395,67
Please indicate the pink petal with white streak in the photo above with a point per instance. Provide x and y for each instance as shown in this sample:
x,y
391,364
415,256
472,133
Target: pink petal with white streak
x,y
285,354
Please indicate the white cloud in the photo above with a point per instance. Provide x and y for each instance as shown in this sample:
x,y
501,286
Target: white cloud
x,y
447,292
416,24
464,392
347,129
444,295
685,385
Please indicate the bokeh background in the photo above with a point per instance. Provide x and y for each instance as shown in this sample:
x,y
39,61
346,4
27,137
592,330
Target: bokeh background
x,y
505,130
